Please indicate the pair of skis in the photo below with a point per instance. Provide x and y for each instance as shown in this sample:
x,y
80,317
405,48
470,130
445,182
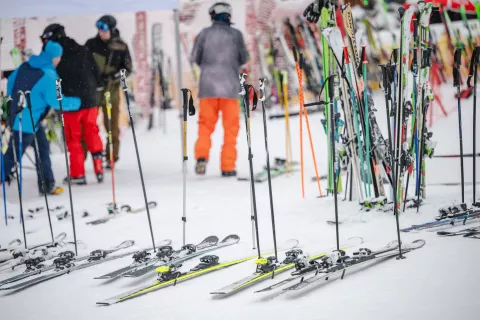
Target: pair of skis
x,y
169,274
67,263
124,208
461,217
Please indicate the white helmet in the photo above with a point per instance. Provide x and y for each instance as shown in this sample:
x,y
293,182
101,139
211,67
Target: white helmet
x,y
220,7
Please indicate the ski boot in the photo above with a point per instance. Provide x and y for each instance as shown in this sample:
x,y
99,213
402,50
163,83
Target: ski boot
x,y
201,166
141,256
98,166
164,253
79,181
166,273
52,189
206,262
227,174
265,265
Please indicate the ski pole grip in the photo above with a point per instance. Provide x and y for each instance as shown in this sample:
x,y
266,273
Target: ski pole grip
x,y
242,78
302,61
384,77
29,100
457,60
185,103
123,79
261,88
295,53
364,55
58,86
395,54
415,32
21,101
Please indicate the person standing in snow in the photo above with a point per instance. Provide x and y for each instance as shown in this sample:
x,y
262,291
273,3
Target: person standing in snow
x,y
220,52
38,76
111,55
80,78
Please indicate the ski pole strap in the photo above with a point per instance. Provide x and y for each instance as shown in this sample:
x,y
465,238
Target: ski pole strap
x,y
473,61
457,61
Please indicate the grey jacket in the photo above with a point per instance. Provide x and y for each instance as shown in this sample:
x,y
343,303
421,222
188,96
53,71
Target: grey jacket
x,y
219,51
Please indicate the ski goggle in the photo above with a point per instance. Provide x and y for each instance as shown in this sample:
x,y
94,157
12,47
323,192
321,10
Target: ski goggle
x,y
102,26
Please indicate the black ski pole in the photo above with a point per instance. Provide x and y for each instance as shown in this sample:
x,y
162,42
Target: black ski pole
x,y
58,84
20,106
262,82
123,78
39,162
245,92
386,89
456,83
473,73
187,105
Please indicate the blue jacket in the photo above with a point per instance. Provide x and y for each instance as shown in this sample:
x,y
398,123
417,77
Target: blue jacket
x,y
37,75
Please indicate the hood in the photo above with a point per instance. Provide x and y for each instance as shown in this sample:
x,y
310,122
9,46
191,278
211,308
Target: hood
x,y
69,45
43,60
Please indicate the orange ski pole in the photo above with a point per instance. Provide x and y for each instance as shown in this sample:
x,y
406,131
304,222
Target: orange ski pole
x,y
301,98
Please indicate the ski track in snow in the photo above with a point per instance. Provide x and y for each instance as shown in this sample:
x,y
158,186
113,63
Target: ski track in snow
x,y
414,288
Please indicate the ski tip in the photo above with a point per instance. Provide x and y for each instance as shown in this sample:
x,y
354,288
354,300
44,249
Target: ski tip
x,y
218,293
101,303
233,238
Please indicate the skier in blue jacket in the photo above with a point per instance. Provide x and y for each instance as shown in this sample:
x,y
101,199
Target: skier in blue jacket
x,y
38,76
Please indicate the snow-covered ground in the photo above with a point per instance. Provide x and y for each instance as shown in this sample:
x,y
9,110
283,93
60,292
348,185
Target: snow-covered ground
x,y
435,282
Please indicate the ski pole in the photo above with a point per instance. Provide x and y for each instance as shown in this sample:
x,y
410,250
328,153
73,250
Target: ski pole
x,y
475,60
457,61
39,162
108,105
187,105
20,105
2,164
123,78
262,82
20,146
245,92
288,140
58,84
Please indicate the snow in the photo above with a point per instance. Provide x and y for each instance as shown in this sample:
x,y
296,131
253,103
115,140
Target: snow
x,y
435,282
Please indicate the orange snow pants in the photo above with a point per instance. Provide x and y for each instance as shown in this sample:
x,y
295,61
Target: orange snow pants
x,y
209,109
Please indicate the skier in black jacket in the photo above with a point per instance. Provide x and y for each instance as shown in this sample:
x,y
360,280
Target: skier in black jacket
x,y
80,78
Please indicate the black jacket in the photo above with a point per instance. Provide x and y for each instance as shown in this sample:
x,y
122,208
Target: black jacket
x,y
79,73
111,56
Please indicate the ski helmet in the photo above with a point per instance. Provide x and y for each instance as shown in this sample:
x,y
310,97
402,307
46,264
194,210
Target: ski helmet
x,y
218,8
53,32
106,22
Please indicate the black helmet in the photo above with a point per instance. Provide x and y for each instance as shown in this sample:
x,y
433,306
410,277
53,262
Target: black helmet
x,y
106,22
53,32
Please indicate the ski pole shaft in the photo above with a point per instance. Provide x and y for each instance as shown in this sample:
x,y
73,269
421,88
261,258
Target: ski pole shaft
x,y
456,83
262,82
108,105
123,78
58,84
301,106
2,164
20,105
39,162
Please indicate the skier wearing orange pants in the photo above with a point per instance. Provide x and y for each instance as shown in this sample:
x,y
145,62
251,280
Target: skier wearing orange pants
x,y
219,51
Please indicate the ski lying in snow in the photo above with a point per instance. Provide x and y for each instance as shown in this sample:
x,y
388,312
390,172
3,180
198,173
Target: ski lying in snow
x,y
168,275
36,266
147,263
124,208
67,263
267,268
11,245
15,255
337,262
461,217
278,169
463,232
185,253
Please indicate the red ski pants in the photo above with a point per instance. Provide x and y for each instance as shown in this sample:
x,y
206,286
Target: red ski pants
x,y
74,122
207,119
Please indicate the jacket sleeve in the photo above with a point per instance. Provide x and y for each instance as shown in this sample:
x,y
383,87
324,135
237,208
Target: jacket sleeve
x,y
242,50
50,93
197,51
11,82
127,61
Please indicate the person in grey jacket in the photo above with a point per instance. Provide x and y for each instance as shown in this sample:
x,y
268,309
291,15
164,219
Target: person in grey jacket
x,y
220,52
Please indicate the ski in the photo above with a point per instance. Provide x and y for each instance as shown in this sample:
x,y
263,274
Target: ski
x,y
459,217
124,208
268,269
168,275
67,263
149,263
278,169
340,262
463,232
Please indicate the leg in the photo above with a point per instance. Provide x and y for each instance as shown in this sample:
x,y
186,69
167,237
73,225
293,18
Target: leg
x,y
206,124
73,137
84,144
9,159
231,124
92,138
44,153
